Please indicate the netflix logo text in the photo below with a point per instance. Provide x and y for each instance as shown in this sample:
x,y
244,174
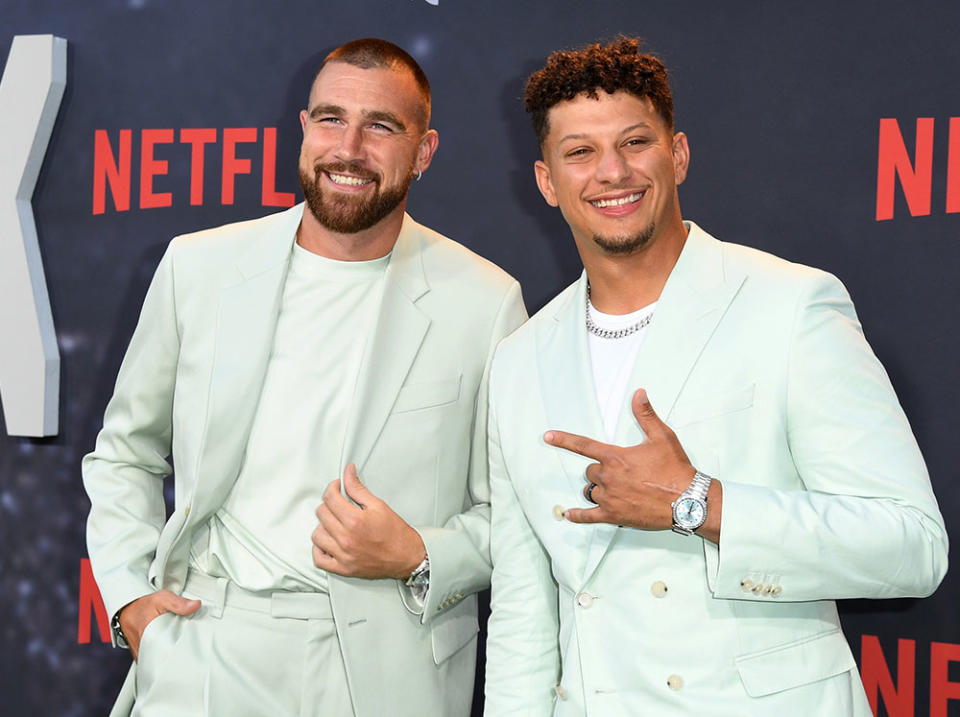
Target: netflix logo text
x,y
915,173
239,149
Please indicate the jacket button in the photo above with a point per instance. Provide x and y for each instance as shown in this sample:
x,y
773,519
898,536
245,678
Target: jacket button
x,y
674,682
186,513
746,585
585,600
659,589
560,692
776,590
758,588
558,512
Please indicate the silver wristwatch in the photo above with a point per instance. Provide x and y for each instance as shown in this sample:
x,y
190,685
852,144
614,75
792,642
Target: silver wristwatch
x,y
690,509
419,579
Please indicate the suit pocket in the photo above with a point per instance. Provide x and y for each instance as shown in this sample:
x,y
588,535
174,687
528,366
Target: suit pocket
x,y
705,407
428,394
454,629
795,664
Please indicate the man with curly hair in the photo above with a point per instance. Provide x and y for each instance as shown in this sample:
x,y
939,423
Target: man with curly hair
x,y
686,560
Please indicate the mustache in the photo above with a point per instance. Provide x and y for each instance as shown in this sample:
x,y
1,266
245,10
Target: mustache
x,y
347,168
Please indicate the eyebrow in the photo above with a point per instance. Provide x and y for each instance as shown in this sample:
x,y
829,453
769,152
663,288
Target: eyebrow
x,y
626,130
370,116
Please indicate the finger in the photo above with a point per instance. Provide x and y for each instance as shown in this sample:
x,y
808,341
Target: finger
x,y
326,562
647,418
330,525
590,491
593,473
585,515
336,503
577,444
178,605
355,489
323,540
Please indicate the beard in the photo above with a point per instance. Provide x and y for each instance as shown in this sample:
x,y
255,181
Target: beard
x,y
625,244
346,214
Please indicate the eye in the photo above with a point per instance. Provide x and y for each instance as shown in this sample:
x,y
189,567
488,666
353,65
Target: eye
x,y
381,127
637,142
330,120
578,152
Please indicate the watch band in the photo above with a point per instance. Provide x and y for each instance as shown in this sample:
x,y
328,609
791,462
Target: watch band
x,y
118,635
699,487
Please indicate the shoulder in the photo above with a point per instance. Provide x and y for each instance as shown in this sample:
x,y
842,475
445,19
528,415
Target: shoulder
x,y
235,238
767,273
448,262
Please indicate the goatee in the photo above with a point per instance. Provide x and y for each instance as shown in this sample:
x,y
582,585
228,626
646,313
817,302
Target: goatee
x,y
343,213
625,244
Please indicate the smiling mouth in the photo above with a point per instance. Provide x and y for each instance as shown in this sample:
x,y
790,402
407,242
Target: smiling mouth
x,y
348,181
618,202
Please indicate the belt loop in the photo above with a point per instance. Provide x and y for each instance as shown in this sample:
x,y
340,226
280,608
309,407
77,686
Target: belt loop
x,y
220,585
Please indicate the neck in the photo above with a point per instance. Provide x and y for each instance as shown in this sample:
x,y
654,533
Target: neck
x,y
372,243
624,284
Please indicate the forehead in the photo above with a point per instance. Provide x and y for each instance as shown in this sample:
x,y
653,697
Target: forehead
x,y
585,116
377,88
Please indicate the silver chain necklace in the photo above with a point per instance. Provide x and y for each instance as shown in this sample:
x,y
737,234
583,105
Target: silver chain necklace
x,y
611,333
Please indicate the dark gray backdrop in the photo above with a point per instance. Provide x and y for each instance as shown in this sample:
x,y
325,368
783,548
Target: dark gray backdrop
x,y
781,102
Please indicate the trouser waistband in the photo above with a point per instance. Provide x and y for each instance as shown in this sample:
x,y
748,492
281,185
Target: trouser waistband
x,y
217,593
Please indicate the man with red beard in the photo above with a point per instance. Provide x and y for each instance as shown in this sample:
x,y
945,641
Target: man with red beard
x,y
280,362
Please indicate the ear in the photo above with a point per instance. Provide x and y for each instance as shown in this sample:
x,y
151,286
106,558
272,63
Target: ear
x,y
425,150
542,172
681,157
303,120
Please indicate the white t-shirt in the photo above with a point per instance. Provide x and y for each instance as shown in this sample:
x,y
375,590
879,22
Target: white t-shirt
x,y
260,538
613,361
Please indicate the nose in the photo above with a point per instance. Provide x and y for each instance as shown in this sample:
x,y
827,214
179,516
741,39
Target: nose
x,y
612,167
351,144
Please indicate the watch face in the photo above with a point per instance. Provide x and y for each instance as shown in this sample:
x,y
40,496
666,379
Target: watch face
x,y
689,513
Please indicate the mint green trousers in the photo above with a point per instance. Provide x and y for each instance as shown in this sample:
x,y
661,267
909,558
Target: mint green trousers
x,y
243,654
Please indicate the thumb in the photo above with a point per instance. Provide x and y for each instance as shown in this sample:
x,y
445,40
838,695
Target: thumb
x,y
643,411
354,488
180,605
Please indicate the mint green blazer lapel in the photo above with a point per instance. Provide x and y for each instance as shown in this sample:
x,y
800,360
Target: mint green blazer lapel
x,y
570,400
692,303
246,321
399,330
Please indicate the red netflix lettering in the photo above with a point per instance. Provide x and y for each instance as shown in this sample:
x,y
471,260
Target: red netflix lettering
x,y
916,178
942,690
898,697
113,166
91,602
270,197
197,138
953,167
108,170
151,167
232,165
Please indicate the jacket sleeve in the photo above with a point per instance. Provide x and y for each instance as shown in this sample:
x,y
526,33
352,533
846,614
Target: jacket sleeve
x,y
459,550
523,654
866,523
123,476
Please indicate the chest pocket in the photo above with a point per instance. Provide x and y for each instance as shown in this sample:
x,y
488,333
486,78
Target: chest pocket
x,y
427,394
706,407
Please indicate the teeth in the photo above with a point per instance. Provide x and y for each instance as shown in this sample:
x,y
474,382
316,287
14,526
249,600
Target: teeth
x,y
629,199
349,181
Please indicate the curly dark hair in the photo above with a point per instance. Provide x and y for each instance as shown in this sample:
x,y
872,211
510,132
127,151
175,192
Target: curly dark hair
x,y
617,66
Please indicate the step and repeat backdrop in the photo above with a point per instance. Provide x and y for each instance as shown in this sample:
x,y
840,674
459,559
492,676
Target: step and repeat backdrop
x,y
826,133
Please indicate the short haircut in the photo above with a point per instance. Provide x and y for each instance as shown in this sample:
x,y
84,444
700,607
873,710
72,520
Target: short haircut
x,y
370,52
617,66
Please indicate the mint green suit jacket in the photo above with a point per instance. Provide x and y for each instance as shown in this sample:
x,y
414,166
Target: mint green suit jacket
x,y
761,368
189,386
